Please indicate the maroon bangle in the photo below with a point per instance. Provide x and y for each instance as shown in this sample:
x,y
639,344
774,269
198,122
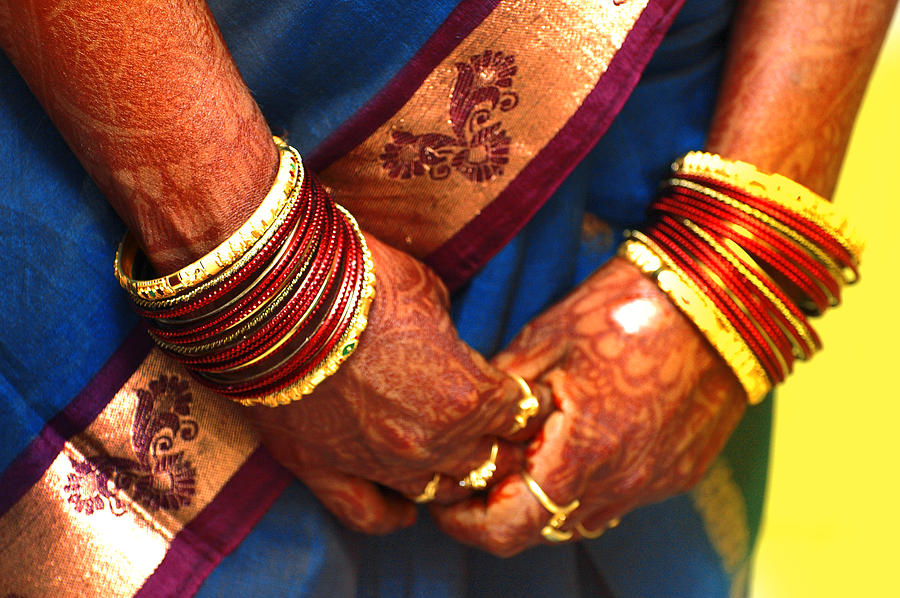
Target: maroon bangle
x,y
738,319
295,365
721,230
289,360
304,303
296,256
743,294
803,269
807,228
229,284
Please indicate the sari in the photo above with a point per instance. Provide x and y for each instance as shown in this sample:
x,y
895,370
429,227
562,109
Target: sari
x,y
508,145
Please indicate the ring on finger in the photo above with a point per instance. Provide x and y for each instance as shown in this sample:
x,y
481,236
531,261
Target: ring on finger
x,y
479,477
552,531
591,534
430,490
527,407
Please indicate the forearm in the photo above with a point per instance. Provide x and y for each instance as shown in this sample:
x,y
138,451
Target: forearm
x,y
148,98
795,77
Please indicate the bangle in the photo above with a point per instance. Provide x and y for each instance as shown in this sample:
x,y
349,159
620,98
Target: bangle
x,y
264,322
346,345
744,254
227,252
646,255
777,188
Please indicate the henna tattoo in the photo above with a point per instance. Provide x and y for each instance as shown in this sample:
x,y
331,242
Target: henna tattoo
x,y
413,400
644,405
148,98
788,101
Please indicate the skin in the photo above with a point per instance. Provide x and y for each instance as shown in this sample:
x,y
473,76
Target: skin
x,y
419,401
637,421
156,78
634,420
149,100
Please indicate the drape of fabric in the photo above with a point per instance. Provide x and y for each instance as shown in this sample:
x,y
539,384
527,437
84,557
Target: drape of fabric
x,y
312,66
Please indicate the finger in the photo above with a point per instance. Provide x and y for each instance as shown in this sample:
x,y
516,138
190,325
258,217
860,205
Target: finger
x,y
504,522
360,504
534,404
512,518
453,481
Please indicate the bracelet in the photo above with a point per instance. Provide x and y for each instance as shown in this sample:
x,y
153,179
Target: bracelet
x,y
276,308
227,252
746,255
345,347
777,188
643,253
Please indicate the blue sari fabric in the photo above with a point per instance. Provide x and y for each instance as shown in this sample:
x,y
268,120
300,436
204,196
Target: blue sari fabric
x,y
310,66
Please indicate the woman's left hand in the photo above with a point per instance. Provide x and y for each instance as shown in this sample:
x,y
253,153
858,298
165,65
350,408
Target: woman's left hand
x,y
643,404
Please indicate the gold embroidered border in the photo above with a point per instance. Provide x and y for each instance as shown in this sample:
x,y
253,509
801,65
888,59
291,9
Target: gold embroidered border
x,y
104,514
721,505
479,118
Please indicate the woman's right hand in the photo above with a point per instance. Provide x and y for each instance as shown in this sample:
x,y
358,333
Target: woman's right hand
x,y
412,401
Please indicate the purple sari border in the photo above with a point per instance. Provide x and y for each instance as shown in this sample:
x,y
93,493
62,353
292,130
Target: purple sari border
x,y
459,258
218,528
396,92
34,460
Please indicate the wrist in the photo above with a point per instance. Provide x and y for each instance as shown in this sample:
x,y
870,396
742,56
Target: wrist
x,y
227,184
151,103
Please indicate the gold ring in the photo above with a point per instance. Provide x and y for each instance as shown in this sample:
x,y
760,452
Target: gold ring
x,y
553,531
528,405
590,535
430,490
479,477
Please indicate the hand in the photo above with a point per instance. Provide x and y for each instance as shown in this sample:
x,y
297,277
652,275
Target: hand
x,y
643,406
412,401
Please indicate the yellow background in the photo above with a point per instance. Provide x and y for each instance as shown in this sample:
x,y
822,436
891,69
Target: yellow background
x,y
832,524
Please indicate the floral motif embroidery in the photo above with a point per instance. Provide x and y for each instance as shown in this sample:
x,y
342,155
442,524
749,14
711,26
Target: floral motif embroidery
x,y
158,477
89,489
478,147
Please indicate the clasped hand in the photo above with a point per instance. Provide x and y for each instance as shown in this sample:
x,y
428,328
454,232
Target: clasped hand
x,y
634,405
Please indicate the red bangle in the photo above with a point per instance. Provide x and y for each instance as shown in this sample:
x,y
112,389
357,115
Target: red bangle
x,y
673,246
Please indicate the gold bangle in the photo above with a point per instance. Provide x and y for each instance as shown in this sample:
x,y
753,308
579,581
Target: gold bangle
x,y
288,178
479,477
237,266
712,323
552,531
788,194
344,348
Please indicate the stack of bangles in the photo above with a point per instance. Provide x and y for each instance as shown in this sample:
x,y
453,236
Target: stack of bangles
x,y
275,308
746,256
